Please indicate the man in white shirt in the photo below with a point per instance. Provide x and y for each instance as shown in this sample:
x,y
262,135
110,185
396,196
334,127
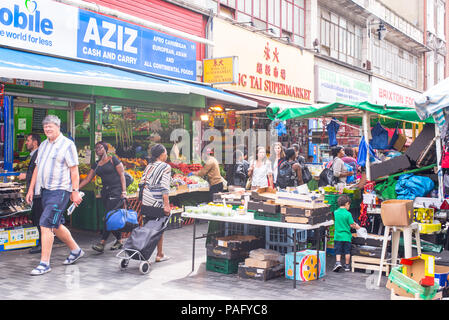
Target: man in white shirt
x,y
57,173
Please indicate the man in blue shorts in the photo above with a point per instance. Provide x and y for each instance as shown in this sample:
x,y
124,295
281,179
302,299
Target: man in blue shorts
x,y
57,173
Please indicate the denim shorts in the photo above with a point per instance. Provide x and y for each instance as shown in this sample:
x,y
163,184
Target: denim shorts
x,y
342,247
54,202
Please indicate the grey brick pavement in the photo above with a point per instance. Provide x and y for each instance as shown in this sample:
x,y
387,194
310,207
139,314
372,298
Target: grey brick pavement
x,y
97,276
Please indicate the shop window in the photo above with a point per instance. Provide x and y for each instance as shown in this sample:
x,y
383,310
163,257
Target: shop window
x,y
131,130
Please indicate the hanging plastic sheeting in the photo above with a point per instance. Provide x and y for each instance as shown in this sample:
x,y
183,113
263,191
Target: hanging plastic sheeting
x,y
433,100
380,137
410,186
332,129
361,157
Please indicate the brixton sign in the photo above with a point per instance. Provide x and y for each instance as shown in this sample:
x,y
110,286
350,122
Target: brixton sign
x,y
266,67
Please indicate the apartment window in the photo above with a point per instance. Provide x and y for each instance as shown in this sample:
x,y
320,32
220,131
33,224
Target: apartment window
x,y
340,38
285,17
394,63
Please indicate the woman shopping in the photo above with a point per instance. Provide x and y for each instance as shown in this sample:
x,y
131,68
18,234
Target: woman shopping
x,y
113,194
279,156
156,187
260,170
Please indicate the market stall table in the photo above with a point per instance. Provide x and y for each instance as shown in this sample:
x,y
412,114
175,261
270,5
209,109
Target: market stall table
x,y
248,219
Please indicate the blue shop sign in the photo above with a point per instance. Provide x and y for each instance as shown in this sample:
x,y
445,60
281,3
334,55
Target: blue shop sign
x,y
110,41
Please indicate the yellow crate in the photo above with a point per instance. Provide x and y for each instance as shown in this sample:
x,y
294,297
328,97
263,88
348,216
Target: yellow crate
x,y
427,228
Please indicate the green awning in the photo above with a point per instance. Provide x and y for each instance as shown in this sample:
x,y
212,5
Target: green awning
x,y
353,112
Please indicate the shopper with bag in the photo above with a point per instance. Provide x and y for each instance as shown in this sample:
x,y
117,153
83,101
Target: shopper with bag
x,y
289,171
154,190
279,156
338,166
113,194
260,171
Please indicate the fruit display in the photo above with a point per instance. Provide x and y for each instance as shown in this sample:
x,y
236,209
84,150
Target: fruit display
x,y
134,163
185,168
22,165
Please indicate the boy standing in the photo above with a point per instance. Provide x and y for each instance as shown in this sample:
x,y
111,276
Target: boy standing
x,y
342,238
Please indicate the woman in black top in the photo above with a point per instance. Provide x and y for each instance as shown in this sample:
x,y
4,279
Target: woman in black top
x,y
112,174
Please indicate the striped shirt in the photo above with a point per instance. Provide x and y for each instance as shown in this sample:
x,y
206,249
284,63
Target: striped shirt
x,y
156,177
54,161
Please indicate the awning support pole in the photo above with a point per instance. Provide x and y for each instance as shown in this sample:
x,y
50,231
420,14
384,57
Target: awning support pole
x,y
366,127
440,171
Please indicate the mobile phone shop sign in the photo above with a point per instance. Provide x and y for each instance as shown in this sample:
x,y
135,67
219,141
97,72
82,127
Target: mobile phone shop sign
x,y
57,29
41,26
119,43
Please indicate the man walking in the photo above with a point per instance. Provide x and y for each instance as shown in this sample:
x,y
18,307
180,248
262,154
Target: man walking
x,y
57,173
32,144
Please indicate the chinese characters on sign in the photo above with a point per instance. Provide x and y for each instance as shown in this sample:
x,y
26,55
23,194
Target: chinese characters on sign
x,y
220,70
270,68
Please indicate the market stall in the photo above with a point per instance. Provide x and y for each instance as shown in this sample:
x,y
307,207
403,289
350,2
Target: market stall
x,y
410,176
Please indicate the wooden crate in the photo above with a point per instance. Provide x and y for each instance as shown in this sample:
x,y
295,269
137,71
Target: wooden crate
x,y
368,263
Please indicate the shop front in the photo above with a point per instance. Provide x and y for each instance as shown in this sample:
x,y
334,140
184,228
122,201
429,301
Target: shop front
x,y
268,70
130,88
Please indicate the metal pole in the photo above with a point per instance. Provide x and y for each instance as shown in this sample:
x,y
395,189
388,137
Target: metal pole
x,y
366,127
440,172
193,246
294,259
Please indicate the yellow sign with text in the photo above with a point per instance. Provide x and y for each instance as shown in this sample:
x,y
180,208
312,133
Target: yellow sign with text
x,y
220,70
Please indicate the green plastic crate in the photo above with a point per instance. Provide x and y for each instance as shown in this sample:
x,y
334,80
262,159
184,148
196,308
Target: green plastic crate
x,y
267,216
222,265
397,277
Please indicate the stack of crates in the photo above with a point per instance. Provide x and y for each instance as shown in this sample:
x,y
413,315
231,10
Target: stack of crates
x,y
281,239
244,229
225,253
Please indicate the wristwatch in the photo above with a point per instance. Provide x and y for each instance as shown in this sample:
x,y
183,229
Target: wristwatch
x,y
75,190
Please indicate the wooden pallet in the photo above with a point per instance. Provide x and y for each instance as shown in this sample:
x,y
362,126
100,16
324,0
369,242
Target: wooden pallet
x,y
368,263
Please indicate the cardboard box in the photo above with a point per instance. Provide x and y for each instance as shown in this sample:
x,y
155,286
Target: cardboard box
x,y
239,242
308,220
372,240
306,268
263,264
397,212
264,207
225,253
265,254
391,166
306,201
246,272
263,194
303,212
400,142
441,275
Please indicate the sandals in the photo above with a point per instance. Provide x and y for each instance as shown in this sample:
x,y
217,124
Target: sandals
x,y
163,258
72,258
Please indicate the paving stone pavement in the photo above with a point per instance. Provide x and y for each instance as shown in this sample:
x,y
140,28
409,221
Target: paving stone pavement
x,y
98,276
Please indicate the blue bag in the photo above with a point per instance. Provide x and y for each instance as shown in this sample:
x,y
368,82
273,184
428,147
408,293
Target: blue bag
x,y
380,137
410,186
121,220
361,157
349,179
